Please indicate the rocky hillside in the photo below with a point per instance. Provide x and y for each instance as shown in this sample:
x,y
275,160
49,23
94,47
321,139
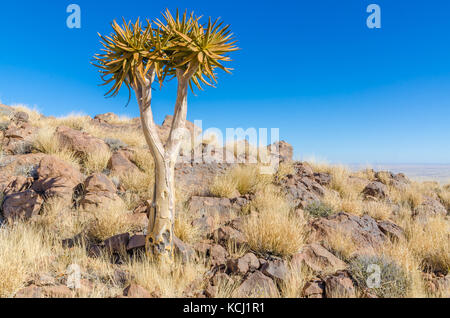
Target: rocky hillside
x,y
75,193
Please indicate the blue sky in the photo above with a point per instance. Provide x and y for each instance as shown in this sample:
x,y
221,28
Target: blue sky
x,y
336,89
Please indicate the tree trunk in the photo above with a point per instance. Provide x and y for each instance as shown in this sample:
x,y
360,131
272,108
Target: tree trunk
x,y
159,241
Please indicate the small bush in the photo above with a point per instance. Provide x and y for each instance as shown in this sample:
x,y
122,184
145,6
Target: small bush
x,y
224,186
4,126
319,209
394,281
22,148
115,144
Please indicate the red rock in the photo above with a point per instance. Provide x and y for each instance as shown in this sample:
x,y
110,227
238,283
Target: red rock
x,y
80,142
99,191
275,269
136,242
375,190
314,289
136,291
317,258
22,205
60,291
120,163
257,285
339,285
56,178
117,243
29,292
363,231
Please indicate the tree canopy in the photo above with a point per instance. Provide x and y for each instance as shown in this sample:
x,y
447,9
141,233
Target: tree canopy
x,y
162,47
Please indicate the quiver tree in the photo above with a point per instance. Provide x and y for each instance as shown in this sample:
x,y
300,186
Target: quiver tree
x,y
135,56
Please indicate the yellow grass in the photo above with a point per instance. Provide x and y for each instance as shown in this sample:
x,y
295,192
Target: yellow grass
x,y
243,178
130,136
46,142
430,243
184,230
143,159
96,161
296,279
23,250
105,222
273,229
224,186
169,280
342,245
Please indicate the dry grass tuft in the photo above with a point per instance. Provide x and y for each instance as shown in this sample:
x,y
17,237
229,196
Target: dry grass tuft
x,y
143,159
296,279
105,222
138,183
273,229
96,161
170,280
243,178
46,142
23,251
130,136
430,243
184,229
224,186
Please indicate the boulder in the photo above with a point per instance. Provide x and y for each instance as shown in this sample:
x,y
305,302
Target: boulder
x,y
106,118
117,243
284,150
275,269
136,291
391,230
31,291
182,249
209,206
22,205
429,207
136,242
257,285
80,142
56,178
21,117
120,164
317,258
228,234
375,190
301,188
99,192
60,291
218,255
339,285
248,262
314,289
363,231
19,184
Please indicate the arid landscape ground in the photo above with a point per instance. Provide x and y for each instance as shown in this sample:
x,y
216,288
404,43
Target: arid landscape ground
x,y
75,193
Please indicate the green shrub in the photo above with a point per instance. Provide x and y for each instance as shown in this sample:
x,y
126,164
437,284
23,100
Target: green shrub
x,y
394,281
319,209
115,144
